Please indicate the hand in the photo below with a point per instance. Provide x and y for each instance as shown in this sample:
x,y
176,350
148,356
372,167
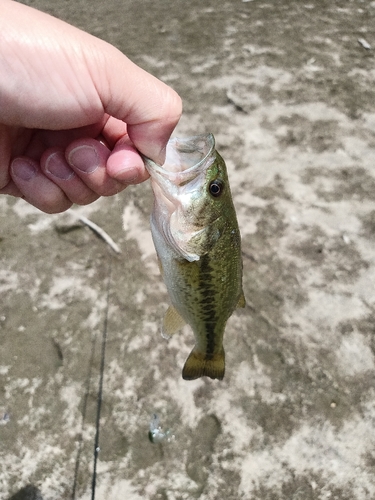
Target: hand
x,y
74,112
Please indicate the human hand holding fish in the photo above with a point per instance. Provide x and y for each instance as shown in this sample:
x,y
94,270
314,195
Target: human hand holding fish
x,y
75,116
74,112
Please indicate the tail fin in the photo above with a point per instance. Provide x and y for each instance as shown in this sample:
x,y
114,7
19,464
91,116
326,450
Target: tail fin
x,y
198,365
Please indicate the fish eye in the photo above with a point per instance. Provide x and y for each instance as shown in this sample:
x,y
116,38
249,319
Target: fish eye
x,y
216,187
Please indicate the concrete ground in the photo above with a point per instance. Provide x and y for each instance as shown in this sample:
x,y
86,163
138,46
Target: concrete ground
x,y
288,92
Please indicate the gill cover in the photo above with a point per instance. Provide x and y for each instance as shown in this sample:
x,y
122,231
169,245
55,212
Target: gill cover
x,y
181,187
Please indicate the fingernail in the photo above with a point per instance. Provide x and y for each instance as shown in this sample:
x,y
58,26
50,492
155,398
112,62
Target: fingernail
x,y
84,158
128,175
56,166
22,169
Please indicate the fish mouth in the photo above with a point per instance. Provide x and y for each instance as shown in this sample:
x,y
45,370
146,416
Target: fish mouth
x,y
185,159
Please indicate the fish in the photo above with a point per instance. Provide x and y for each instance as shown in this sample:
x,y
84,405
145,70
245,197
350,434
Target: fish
x,y
197,240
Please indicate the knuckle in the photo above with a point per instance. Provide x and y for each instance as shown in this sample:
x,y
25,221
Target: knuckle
x,y
84,198
50,202
54,208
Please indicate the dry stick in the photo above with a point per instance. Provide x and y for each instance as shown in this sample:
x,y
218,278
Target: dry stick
x,y
100,232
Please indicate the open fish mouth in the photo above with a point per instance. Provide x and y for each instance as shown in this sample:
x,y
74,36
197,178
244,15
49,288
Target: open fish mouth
x,y
185,159
184,169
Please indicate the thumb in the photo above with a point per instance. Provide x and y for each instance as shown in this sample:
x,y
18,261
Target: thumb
x,y
150,108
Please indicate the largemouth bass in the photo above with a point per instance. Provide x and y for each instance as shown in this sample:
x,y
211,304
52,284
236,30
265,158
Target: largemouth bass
x,y
197,240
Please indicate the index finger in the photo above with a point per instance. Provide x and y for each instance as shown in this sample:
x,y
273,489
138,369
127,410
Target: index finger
x,y
150,108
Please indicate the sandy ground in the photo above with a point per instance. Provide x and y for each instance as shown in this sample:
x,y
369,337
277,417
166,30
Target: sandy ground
x,y
289,94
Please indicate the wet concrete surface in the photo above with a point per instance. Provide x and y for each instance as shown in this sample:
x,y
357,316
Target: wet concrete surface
x,y
288,92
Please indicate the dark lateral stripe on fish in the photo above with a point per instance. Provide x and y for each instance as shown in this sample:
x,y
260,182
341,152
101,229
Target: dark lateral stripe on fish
x,y
209,310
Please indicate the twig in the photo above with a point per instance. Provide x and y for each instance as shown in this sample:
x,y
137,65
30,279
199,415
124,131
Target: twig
x,y
100,232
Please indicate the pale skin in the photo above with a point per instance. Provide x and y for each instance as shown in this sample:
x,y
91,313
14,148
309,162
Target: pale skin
x,y
74,113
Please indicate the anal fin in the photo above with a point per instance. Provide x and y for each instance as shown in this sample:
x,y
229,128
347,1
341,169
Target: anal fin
x,y
172,322
198,365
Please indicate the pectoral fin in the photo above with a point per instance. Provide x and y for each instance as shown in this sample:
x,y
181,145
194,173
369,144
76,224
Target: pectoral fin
x,y
179,240
198,365
172,322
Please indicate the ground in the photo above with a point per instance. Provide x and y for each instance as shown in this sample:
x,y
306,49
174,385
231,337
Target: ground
x,y
288,92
